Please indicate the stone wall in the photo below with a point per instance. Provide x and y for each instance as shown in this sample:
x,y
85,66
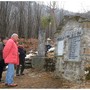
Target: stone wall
x,y
85,40
71,67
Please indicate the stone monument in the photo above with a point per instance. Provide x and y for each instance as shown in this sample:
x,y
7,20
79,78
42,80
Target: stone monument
x,y
72,48
38,61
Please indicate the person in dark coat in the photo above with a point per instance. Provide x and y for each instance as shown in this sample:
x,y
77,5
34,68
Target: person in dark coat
x,y
22,55
2,63
48,45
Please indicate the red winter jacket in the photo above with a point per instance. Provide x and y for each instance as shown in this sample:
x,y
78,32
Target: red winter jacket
x,y
10,52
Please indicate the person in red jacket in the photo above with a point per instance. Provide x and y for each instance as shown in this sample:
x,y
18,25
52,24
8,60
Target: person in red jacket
x,y
11,57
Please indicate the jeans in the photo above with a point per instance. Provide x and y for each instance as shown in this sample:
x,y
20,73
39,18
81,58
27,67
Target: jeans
x,y
10,74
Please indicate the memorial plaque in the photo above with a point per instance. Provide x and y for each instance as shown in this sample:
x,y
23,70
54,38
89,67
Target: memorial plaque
x,y
74,48
60,48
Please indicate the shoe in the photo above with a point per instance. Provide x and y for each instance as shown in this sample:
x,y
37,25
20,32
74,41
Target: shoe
x,y
6,84
10,85
17,75
22,74
1,81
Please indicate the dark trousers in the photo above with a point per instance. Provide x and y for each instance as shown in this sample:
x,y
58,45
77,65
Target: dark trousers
x,y
20,67
2,66
1,71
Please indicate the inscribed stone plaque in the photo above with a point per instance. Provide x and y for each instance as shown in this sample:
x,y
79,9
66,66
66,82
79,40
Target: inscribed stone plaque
x,y
60,48
74,48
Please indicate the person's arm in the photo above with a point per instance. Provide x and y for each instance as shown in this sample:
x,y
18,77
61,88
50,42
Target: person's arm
x,y
7,49
1,49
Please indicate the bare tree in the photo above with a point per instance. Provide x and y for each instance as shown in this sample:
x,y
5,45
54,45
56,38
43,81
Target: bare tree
x,y
52,8
22,17
25,18
37,16
30,20
3,17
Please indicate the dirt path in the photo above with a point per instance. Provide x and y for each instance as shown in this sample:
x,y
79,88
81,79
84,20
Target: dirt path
x,y
36,79
41,80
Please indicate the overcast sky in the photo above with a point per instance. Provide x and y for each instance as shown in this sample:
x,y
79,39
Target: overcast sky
x,y
73,5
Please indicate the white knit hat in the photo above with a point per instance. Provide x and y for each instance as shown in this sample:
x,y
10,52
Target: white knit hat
x,y
48,39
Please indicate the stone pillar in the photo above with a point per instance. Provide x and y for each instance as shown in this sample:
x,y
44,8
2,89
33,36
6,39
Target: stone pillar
x,y
38,61
41,43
